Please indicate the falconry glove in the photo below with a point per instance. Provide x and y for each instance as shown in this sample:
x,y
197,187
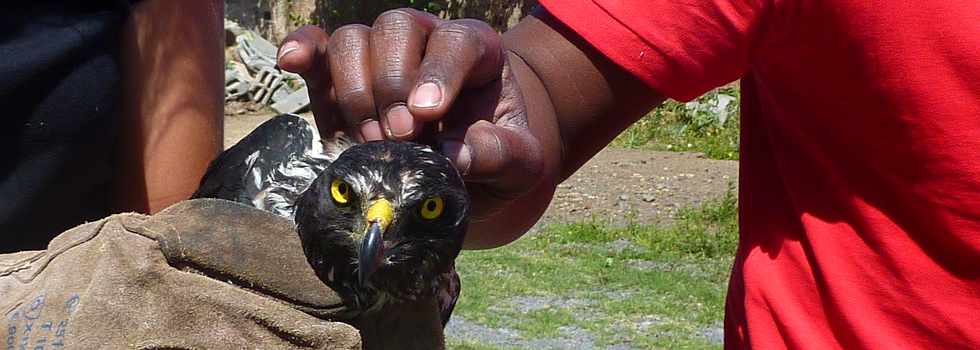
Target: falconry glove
x,y
381,222
202,274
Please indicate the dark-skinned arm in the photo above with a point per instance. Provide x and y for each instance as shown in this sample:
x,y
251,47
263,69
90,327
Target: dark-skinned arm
x,y
521,112
172,106
569,89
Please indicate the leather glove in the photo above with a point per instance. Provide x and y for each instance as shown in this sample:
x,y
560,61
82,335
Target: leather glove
x,y
202,274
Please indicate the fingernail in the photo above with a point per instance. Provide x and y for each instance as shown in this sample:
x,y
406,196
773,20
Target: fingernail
x,y
400,121
286,49
427,95
459,153
371,130
355,133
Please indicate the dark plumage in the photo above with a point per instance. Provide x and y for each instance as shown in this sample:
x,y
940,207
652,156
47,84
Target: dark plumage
x,y
270,167
418,252
381,222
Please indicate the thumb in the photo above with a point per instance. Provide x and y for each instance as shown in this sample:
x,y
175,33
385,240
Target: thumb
x,y
505,159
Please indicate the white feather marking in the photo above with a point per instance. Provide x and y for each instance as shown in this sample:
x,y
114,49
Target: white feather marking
x,y
259,200
250,160
287,181
317,144
407,177
257,177
333,146
360,184
376,175
284,184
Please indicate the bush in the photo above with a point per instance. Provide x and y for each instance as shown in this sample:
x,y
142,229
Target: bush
x,y
709,124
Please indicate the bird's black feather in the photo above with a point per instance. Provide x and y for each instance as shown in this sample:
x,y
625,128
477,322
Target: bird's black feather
x,y
420,253
279,167
267,169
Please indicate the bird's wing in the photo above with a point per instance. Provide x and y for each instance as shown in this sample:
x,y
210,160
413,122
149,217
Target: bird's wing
x,y
448,293
272,166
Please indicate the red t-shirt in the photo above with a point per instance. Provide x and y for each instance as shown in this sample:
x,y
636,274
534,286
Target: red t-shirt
x,y
860,157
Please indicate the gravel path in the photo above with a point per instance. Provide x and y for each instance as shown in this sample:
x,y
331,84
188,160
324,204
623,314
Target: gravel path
x,y
647,186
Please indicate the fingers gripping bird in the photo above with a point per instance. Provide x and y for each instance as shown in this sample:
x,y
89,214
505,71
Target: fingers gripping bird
x,y
381,222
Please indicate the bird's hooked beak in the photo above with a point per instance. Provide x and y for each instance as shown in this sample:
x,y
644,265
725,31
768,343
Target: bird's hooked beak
x,y
379,216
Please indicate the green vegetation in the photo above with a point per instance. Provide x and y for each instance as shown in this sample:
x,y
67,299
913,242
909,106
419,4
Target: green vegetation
x,y
708,124
334,13
642,286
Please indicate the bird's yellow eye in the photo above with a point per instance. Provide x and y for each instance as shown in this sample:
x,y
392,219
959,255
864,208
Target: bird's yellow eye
x,y
431,208
340,191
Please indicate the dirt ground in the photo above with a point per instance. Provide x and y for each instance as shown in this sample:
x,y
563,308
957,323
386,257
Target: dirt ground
x,y
617,185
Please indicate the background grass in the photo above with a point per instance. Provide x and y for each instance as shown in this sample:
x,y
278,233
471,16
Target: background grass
x,y
629,287
636,286
708,124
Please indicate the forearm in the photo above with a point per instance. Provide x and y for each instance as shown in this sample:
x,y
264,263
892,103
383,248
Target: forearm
x,y
173,101
577,102
594,99
520,214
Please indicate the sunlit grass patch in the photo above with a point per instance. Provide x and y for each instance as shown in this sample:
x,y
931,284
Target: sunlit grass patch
x,y
637,286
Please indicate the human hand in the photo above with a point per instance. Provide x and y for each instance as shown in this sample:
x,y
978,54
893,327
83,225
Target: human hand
x,y
411,69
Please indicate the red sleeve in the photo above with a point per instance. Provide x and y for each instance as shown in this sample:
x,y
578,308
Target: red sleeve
x,y
680,48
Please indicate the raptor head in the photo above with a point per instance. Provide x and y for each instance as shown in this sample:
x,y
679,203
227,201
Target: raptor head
x,y
384,220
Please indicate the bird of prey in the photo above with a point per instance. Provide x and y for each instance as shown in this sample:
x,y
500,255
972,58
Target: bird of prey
x,y
381,222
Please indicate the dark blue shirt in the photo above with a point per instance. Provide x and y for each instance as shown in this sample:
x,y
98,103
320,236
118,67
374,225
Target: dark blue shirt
x,y
59,98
